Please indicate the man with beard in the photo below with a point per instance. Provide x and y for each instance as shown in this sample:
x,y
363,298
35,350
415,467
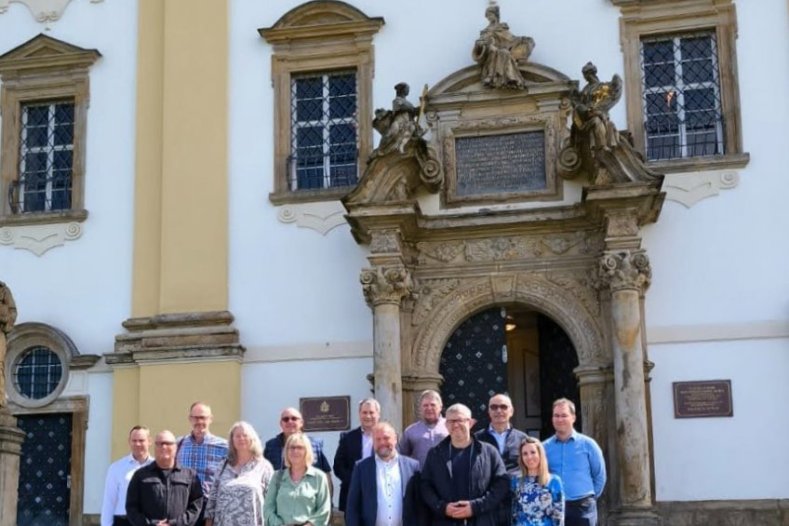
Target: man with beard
x,y
383,489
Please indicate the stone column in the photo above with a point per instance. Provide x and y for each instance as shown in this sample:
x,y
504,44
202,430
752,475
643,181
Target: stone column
x,y
11,437
627,274
384,289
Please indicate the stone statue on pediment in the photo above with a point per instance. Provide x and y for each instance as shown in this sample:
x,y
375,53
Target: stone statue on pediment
x,y
7,320
591,106
398,125
498,52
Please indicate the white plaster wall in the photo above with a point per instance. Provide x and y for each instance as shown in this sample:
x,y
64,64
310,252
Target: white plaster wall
x,y
722,458
267,388
83,288
97,441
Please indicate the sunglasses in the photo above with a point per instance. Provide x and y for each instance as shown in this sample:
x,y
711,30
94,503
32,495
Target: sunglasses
x,y
290,419
498,407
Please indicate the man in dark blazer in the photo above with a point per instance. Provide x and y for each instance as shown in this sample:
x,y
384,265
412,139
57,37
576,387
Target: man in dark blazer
x,y
355,445
394,500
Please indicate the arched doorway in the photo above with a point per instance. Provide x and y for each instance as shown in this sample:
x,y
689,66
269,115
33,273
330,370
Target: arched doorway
x,y
515,350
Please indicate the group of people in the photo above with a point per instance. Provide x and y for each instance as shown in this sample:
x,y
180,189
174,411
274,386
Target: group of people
x,y
437,473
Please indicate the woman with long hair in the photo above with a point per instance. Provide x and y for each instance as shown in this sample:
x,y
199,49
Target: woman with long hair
x,y
238,491
299,493
537,496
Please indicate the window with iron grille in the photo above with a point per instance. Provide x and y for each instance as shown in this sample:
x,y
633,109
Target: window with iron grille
x,y
682,96
38,373
324,131
46,150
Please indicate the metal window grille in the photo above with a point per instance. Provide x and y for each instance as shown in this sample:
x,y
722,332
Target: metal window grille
x,y
682,99
38,373
324,131
46,156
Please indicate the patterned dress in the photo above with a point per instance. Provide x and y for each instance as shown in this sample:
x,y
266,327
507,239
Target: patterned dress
x,y
536,505
236,497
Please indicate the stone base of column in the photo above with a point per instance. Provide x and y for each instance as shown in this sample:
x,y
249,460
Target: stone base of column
x,y
635,517
11,438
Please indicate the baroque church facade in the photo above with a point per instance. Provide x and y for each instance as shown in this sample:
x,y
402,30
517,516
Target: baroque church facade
x,y
272,204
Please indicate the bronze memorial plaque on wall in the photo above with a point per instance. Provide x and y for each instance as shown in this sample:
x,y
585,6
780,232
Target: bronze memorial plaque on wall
x,y
328,413
702,399
500,164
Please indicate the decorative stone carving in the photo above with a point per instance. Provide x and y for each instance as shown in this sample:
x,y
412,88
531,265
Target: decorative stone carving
x,y
430,294
690,188
7,320
498,52
40,238
596,149
397,126
625,271
385,242
321,216
44,11
386,285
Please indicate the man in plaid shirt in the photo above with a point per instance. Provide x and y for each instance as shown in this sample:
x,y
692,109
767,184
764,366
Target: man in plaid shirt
x,y
200,450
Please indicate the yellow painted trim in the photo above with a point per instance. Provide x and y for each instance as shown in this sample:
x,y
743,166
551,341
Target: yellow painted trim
x,y
181,223
216,383
125,407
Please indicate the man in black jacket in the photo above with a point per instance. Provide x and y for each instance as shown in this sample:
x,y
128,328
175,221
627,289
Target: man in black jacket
x,y
356,444
463,480
163,493
507,441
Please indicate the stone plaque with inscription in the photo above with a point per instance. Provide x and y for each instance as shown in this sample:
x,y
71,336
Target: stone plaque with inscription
x,y
702,399
329,413
500,164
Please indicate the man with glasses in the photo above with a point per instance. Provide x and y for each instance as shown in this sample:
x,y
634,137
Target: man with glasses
x,y
164,493
578,461
113,507
507,441
356,444
463,480
291,422
200,450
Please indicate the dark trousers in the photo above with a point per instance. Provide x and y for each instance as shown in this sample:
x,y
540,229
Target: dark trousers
x,y
118,520
581,512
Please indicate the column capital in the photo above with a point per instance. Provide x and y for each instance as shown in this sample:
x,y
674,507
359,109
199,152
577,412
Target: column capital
x,y
7,310
386,285
625,270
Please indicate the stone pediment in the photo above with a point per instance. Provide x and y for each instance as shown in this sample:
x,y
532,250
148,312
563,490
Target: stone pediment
x,y
42,53
466,85
321,19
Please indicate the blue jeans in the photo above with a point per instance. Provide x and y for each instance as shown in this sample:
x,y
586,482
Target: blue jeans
x,y
580,512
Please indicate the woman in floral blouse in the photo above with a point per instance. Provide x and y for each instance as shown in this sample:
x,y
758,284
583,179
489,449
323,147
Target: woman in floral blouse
x,y
537,496
237,493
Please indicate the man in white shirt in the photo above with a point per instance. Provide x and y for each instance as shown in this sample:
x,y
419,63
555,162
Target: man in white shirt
x,y
113,508
383,486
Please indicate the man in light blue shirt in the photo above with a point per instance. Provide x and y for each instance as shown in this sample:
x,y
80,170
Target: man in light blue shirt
x,y
578,461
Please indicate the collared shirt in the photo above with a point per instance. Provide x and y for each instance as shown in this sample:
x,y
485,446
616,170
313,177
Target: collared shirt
x,y
367,444
389,488
579,462
205,458
501,438
116,485
419,437
275,450
289,502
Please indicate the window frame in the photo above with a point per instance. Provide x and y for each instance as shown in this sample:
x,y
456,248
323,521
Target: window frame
x,y
43,70
644,19
317,37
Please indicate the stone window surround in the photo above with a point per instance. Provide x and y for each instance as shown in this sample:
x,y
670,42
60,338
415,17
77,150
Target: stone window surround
x,y
43,69
644,18
316,37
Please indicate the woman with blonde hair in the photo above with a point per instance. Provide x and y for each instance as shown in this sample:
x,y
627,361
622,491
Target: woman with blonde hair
x,y
238,492
299,493
537,496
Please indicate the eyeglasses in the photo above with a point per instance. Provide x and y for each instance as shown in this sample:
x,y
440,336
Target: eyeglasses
x,y
498,407
290,419
162,444
296,447
199,417
455,421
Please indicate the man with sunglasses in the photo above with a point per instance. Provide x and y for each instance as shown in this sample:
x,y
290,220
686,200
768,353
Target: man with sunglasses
x,y
200,450
291,422
507,441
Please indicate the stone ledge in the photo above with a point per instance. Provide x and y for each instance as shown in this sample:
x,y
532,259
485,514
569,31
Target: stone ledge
x,y
765,512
